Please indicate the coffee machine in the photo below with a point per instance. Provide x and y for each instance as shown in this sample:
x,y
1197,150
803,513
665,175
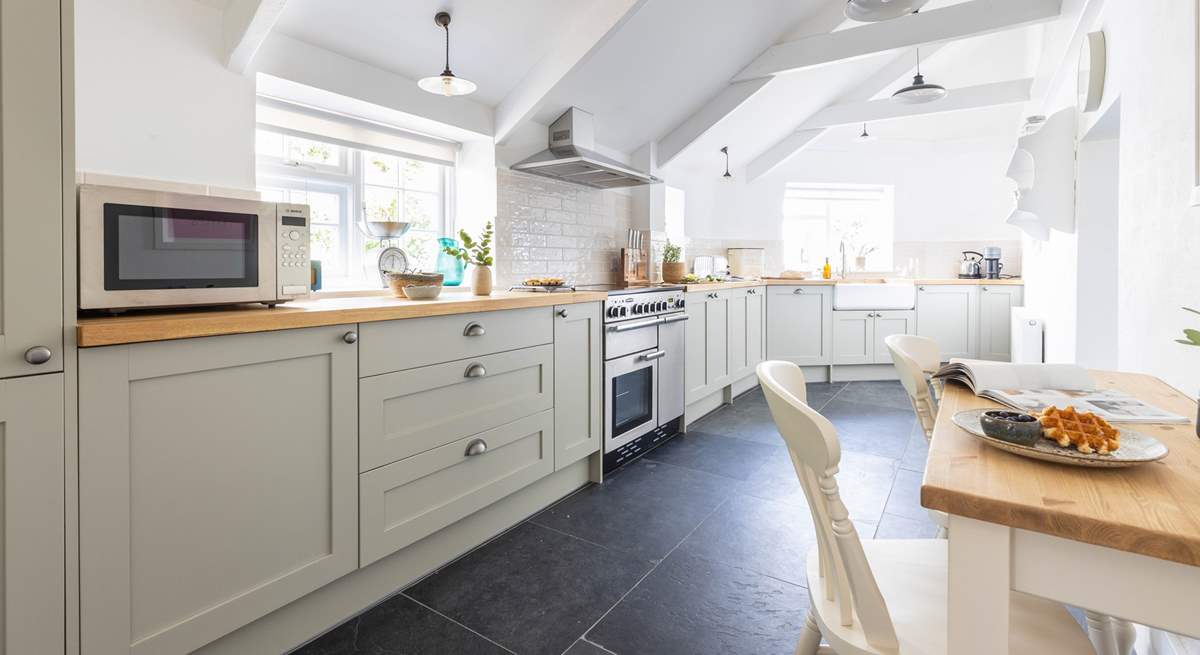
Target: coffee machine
x,y
991,263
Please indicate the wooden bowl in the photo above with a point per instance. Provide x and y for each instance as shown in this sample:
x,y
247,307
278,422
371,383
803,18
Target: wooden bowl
x,y
398,281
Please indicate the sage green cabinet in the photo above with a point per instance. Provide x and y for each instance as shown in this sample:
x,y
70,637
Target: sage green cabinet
x,y
736,332
31,515
708,341
800,324
578,382
218,482
31,187
756,317
853,337
949,314
995,320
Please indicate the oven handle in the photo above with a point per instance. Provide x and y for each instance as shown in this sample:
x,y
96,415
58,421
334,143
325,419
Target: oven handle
x,y
635,326
649,357
675,318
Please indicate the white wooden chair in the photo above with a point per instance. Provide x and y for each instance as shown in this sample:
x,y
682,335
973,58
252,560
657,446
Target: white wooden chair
x,y
880,597
916,358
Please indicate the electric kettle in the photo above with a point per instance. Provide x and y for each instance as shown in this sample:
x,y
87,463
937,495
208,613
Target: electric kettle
x,y
971,266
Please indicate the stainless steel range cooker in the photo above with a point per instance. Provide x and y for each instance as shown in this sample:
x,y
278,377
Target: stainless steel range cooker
x,y
644,340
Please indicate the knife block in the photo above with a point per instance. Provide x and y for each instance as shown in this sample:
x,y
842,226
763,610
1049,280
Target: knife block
x,y
633,268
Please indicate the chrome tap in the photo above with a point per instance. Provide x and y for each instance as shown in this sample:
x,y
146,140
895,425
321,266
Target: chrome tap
x,y
842,249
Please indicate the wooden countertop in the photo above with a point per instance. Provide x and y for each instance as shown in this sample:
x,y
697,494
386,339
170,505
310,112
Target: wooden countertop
x,y
1152,509
183,324
775,281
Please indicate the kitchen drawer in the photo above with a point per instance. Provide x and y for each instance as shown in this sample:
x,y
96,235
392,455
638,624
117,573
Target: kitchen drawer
x,y
387,346
408,412
409,500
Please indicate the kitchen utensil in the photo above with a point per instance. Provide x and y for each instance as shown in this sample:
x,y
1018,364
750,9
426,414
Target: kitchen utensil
x,y
384,229
1136,448
391,259
422,293
971,266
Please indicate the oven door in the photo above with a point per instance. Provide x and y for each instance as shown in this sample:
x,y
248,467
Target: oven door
x,y
152,249
630,397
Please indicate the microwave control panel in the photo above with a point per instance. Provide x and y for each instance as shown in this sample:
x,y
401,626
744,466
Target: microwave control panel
x,y
292,252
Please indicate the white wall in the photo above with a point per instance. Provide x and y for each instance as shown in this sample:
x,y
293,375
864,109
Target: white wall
x,y
945,191
152,97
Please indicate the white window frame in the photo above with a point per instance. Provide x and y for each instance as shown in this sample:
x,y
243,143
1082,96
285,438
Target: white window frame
x,y
834,193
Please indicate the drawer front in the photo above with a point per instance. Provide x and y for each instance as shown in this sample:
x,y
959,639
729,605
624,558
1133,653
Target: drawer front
x,y
406,413
387,346
409,500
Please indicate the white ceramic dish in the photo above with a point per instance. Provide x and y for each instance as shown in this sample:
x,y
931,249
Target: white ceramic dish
x,y
1136,448
422,293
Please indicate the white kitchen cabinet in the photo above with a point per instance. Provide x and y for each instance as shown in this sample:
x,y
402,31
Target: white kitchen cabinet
x,y
949,314
853,337
218,483
995,313
31,187
31,515
887,323
578,382
716,328
800,324
739,356
756,316
695,370
724,338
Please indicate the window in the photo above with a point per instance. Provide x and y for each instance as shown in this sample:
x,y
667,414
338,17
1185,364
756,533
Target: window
x,y
819,218
342,185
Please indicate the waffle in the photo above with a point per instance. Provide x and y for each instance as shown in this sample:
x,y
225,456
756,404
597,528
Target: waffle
x,y
1086,431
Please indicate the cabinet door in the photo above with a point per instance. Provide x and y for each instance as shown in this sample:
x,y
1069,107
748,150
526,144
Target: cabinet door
x,y
739,356
853,337
696,369
578,380
31,186
995,320
756,311
888,323
800,324
31,552
716,328
949,314
218,482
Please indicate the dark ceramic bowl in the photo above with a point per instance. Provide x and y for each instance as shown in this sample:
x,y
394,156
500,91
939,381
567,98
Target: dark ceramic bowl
x,y
1013,427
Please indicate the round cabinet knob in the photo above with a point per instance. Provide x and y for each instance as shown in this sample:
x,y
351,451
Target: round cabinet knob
x,y
920,288
476,447
38,355
350,337
562,313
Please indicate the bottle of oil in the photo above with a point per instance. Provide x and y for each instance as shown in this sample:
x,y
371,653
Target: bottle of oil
x,y
827,272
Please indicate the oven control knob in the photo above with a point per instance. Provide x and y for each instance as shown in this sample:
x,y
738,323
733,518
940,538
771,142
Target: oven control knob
x,y
612,312
679,303
624,312
635,309
662,305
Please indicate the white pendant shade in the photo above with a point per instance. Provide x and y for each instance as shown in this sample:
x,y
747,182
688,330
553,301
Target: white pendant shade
x,y
870,11
1021,169
447,85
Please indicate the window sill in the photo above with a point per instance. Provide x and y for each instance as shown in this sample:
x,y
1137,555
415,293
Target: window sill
x,y
368,293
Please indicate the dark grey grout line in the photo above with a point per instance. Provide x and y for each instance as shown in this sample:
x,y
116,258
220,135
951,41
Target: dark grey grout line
x,y
833,397
461,625
652,569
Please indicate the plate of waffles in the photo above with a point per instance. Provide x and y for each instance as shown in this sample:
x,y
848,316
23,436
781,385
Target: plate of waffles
x,y
1074,438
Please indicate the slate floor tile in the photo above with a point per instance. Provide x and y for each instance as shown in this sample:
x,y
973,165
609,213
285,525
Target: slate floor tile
x,y
905,499
711,453
582,647
872,429
751,425
820,393
865,482
764,536
692,606
899,527
400,626
646,508
532,590
917,452
885,393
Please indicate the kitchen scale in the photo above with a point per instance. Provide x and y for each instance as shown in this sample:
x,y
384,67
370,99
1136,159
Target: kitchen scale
x,y
391,257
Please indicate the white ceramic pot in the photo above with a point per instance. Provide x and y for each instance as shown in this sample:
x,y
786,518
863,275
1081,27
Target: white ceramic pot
x,y
481,280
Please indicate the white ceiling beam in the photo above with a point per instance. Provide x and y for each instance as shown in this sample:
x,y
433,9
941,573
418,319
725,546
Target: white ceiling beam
x,y
967,19
887,77
961,99
710,113
245,26
571,49
1059,55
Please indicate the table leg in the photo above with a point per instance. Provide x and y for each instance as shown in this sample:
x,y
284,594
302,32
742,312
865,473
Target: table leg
x,y
980,568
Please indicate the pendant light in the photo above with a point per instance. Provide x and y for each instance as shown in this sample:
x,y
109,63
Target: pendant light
x,y
919,91
871,11
446,84
865,136
725,151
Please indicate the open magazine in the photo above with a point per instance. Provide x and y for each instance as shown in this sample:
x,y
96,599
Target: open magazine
x,y
1033,387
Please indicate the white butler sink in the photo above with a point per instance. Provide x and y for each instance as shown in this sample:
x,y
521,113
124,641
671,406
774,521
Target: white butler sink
x,y
874,295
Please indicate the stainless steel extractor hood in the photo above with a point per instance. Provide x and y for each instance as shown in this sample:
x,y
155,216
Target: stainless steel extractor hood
x,y
572,158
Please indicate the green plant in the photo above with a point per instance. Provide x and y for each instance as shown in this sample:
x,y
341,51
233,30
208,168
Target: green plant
x,y
474,252
1193,336
671,253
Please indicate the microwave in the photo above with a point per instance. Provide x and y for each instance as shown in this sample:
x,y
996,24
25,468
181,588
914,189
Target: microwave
x,y
141,248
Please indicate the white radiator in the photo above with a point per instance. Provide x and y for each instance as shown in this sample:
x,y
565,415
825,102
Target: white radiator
x,y
1027,337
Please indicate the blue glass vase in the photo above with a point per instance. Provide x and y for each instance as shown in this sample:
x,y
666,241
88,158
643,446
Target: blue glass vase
x,y
449,266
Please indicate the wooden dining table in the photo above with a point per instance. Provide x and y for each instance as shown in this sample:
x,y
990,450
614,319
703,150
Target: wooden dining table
x,y
1119,542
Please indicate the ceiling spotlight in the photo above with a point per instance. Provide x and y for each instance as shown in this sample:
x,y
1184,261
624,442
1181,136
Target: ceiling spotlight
x,y
446,84
919,91
725,151
871,11
865,136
